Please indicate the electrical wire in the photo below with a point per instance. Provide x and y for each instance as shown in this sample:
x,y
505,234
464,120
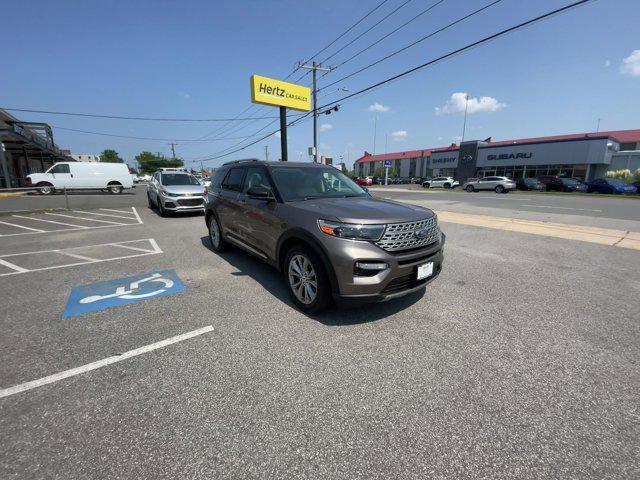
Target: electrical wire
x,y
388,34
392,12
422,39
460,50
147,119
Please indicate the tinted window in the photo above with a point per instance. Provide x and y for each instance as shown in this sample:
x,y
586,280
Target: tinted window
x,y
301,183
490,179
60,168
178,179
216,179
233,180
256,177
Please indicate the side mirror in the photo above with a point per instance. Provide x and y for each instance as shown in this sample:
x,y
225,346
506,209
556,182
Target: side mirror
x,y
259,193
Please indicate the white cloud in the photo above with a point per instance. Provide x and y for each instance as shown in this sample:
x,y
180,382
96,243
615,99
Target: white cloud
x,y
184,95
399,135
377,107
456,139
277,134
325,126
456,104
631,64
607,63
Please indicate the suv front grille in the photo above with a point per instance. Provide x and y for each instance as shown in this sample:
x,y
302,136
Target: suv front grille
x,y
401,236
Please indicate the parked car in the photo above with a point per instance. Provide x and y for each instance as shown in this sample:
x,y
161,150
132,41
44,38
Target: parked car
x,y
175,191
499,184
637,185
610,185
364,181
113,177
329,238
440,182
377,181
530,184
555,183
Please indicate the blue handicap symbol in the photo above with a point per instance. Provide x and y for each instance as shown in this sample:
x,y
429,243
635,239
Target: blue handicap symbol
x,y
113,293
387,164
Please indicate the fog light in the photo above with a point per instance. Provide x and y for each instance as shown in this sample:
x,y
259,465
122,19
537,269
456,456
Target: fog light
x,y
372,265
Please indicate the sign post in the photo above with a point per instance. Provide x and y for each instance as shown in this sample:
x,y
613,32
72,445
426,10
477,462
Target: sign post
x,y
268,91
283,133
387,166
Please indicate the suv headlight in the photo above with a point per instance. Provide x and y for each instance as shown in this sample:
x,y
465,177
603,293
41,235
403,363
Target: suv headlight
x,y
352,231
165,193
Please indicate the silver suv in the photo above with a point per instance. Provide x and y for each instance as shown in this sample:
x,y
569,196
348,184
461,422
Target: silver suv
x,y
328,236
175,191
498,184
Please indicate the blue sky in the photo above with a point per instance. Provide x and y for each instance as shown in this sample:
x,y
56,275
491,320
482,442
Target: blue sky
x,y
193,59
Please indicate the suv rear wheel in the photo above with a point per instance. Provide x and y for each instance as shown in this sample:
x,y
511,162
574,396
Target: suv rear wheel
x,y
215,236
308,283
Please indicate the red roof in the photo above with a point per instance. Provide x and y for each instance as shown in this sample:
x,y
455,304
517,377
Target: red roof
x,y
622,136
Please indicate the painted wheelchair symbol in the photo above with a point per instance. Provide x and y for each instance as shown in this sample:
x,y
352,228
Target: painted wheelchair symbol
x,y
129,294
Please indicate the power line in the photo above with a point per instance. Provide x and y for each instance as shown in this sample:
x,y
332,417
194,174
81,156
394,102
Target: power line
x,y
390,33
104,134
341,35
455,22
147,119
460,50
367,30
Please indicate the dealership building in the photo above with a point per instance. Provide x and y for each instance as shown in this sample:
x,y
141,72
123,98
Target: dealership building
x,y
585,156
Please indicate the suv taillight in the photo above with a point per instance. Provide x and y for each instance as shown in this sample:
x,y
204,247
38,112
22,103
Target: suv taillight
x,y
27,181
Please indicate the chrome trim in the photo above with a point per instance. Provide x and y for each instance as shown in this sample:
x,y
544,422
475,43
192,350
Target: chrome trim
x,y
401,236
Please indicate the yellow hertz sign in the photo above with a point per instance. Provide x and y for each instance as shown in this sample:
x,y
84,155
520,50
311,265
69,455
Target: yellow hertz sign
x,y
282,94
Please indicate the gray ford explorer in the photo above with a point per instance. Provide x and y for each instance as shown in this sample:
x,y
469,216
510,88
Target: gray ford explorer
x,y
328,236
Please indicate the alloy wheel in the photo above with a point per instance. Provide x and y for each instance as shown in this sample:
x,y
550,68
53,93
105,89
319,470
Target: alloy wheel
x,y
214,233
303,279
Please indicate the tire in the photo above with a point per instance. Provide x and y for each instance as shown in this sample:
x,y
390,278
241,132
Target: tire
x,y
499,189
161,211
446,185
215,235
314,292
470,188
45,188
426,185
114,189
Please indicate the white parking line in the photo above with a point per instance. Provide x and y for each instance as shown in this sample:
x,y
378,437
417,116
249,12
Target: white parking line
x,y
21,226
23,387
13,267
102,214
131,215
155,250
50,221
562,208
87,219
118,211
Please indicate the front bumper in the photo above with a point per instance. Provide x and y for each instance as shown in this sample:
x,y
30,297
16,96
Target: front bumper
x,y
183,203
398,280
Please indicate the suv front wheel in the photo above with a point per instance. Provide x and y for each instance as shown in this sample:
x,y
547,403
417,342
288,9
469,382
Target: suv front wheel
x,y
307,281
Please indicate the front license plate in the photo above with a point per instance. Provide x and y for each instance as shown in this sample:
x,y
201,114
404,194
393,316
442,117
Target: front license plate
x,y
425,270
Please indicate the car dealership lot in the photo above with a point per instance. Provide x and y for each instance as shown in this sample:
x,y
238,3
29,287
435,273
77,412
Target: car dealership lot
x,y
519,361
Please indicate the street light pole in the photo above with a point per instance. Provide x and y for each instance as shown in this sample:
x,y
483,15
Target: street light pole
x,y
464,125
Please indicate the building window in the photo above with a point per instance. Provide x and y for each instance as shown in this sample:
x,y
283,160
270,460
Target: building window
x,y
628,146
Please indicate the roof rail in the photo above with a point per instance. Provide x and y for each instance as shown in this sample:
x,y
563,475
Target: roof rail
x,y
242,160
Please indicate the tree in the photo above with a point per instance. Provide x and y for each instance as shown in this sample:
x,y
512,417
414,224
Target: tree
x,y
110,156
150,162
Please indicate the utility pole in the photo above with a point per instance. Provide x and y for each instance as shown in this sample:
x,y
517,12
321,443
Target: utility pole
x,y
314,68
464,125
266,152
598,127
173,149
386,139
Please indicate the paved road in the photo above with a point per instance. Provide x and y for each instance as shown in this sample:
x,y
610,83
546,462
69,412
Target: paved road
x,y
622,208
506,367
80,199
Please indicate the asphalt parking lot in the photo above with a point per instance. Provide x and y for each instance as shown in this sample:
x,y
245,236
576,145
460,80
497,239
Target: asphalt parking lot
x,y
520,361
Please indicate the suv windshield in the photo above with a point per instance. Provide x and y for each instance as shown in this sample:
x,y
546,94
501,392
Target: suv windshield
x,y
178,179
303,183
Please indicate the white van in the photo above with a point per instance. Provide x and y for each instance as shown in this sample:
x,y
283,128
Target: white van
x,y
113,177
